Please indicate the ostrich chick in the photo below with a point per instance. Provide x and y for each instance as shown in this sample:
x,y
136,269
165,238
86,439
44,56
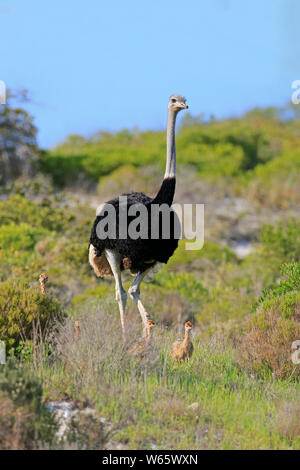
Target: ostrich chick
x,y
43,279
140,348
183,348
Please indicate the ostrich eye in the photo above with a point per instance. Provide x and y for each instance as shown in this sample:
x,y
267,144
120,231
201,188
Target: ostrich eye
x,y
173,100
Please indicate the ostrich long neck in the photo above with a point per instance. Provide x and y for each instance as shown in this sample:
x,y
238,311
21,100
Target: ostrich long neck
x,y
187,337
167,189
171,148
148,337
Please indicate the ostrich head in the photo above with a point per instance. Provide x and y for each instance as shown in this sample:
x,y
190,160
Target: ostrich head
x,y
151,324
177,103
188,325
43,278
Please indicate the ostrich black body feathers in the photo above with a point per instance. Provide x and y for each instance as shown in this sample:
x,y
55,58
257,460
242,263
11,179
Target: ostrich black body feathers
x,y
142,252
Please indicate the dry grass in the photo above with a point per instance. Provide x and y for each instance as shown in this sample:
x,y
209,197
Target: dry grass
x,y
85,433
281,194
266,342
147,402
16,426
166,406
289,420
97,356
12,425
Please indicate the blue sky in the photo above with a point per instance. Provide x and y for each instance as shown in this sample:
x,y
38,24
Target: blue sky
x,y
113,64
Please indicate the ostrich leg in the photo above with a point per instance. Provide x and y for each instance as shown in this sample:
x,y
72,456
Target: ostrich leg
x,y
134,292
121,297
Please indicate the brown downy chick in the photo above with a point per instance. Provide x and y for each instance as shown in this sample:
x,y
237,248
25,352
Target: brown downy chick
x,y
77,327
43,279
140,348
183,349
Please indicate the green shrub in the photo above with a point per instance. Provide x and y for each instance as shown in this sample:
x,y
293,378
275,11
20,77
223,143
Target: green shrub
x,y
25,423
223,303
16,237
22,309
64,169
99,292
36,236
128,178
227,148
276,183
17,247
265,344
281,243
184,284
289,283
46,214
211,252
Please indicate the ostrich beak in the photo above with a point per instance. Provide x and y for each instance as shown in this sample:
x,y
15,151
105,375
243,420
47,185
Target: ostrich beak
x,y
184,106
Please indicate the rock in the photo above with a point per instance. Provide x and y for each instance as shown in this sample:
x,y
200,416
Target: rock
x,y
193,406
296,357
64,412
296,344
242,248
112,445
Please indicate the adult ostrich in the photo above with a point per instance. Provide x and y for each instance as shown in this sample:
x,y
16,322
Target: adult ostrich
x,y
111,254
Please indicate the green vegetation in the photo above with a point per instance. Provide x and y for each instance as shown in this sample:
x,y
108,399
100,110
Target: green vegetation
x,y
24,420
258,153
282,243
208,402
35,236
18,147
268,334
23,312
242,385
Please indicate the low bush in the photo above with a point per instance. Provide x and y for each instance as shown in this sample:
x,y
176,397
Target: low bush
x,y
289,282
265,344
281,243
64,169
276,182
25,423
289,420
211,253
24,309
98,292
46,214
